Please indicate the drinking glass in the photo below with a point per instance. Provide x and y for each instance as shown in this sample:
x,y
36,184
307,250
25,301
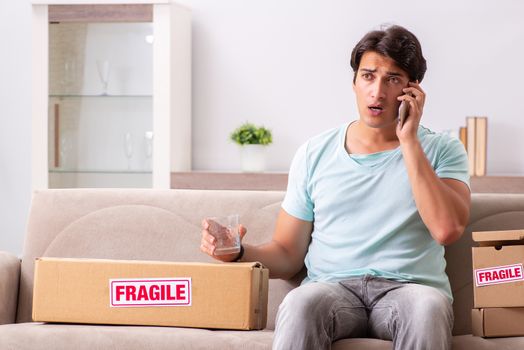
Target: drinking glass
x,y
226,231
128,148
104,68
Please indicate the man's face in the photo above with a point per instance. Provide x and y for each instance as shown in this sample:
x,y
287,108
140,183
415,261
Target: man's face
x,y
379,81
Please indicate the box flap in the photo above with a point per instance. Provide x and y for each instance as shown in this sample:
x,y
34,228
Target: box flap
x,y
493,238
254,264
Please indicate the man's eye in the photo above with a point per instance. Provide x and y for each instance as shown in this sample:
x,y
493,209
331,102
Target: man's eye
x,y
394,80
366,76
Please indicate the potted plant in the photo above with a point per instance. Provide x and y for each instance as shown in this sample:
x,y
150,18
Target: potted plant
x,y
253,141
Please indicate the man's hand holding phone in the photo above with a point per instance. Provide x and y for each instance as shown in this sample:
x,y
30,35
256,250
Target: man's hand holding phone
x,y
410,111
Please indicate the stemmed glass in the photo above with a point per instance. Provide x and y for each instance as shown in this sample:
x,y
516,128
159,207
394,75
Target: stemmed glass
x,y
128,148
148,148
65,154
104,68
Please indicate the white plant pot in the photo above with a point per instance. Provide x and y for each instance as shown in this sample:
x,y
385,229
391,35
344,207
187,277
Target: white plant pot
x,y
253,158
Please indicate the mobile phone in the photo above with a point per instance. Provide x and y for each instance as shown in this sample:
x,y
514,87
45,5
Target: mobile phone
x,y
403,112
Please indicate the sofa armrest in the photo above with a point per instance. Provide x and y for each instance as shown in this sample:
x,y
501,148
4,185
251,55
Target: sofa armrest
x,y
9,276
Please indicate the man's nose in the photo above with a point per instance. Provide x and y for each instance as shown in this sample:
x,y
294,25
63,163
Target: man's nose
x,y
378,90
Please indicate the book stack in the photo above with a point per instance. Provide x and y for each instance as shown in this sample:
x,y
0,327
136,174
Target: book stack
x,y
474,136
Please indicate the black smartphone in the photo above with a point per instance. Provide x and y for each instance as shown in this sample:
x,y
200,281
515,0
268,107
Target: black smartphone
x,y
403,112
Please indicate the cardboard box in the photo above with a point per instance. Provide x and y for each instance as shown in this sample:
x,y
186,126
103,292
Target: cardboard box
x,y
498,276
225,296
498,322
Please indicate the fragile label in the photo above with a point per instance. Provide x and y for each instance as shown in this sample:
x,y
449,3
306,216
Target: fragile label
x,y
150,292
498,274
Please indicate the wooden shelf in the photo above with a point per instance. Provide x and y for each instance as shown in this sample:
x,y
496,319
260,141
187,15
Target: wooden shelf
x,y
497,184
202,180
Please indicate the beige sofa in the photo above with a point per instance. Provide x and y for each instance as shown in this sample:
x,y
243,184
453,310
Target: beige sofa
x,y
165,225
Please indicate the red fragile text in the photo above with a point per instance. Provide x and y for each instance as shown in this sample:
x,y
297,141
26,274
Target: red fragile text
x,y
499,274
150,292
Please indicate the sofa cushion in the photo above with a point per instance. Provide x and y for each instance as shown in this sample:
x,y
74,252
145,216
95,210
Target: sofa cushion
x,y
38,336
9,275
461,342
115,232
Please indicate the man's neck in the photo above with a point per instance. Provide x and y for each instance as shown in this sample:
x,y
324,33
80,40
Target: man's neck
x,y
362,139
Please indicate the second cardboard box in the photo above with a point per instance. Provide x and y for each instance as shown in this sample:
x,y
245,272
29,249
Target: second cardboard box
x,y
498,276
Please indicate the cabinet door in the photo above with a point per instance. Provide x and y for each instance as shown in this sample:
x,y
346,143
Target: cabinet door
x,y
100,112
111,102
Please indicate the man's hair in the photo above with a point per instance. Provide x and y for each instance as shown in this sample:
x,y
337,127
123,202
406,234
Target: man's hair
x,y
397,43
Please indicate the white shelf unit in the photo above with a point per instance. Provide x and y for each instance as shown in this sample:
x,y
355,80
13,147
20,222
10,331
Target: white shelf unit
x,y
171,95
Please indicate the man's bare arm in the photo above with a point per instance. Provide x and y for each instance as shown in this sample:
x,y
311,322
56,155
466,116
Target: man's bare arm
x,y
283,255
443,204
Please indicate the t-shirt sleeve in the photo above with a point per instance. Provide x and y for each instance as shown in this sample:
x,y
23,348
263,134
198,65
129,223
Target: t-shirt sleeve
x,y
297,201
453,160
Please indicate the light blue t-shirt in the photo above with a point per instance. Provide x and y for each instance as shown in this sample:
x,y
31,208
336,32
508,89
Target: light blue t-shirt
x,y
364,214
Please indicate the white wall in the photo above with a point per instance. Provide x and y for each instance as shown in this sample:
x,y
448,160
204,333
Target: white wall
x,y
15,121
285,64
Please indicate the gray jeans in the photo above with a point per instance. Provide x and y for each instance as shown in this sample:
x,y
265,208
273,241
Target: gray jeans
x,y
316,314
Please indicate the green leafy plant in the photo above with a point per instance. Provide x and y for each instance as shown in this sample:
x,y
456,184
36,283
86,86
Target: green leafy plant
x,y
249,134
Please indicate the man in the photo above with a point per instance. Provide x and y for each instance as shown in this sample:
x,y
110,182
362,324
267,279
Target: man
x,y
368,208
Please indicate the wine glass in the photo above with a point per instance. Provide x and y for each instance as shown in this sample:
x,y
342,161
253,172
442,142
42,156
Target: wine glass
x,y
65,153
104,68
128,148
148,148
